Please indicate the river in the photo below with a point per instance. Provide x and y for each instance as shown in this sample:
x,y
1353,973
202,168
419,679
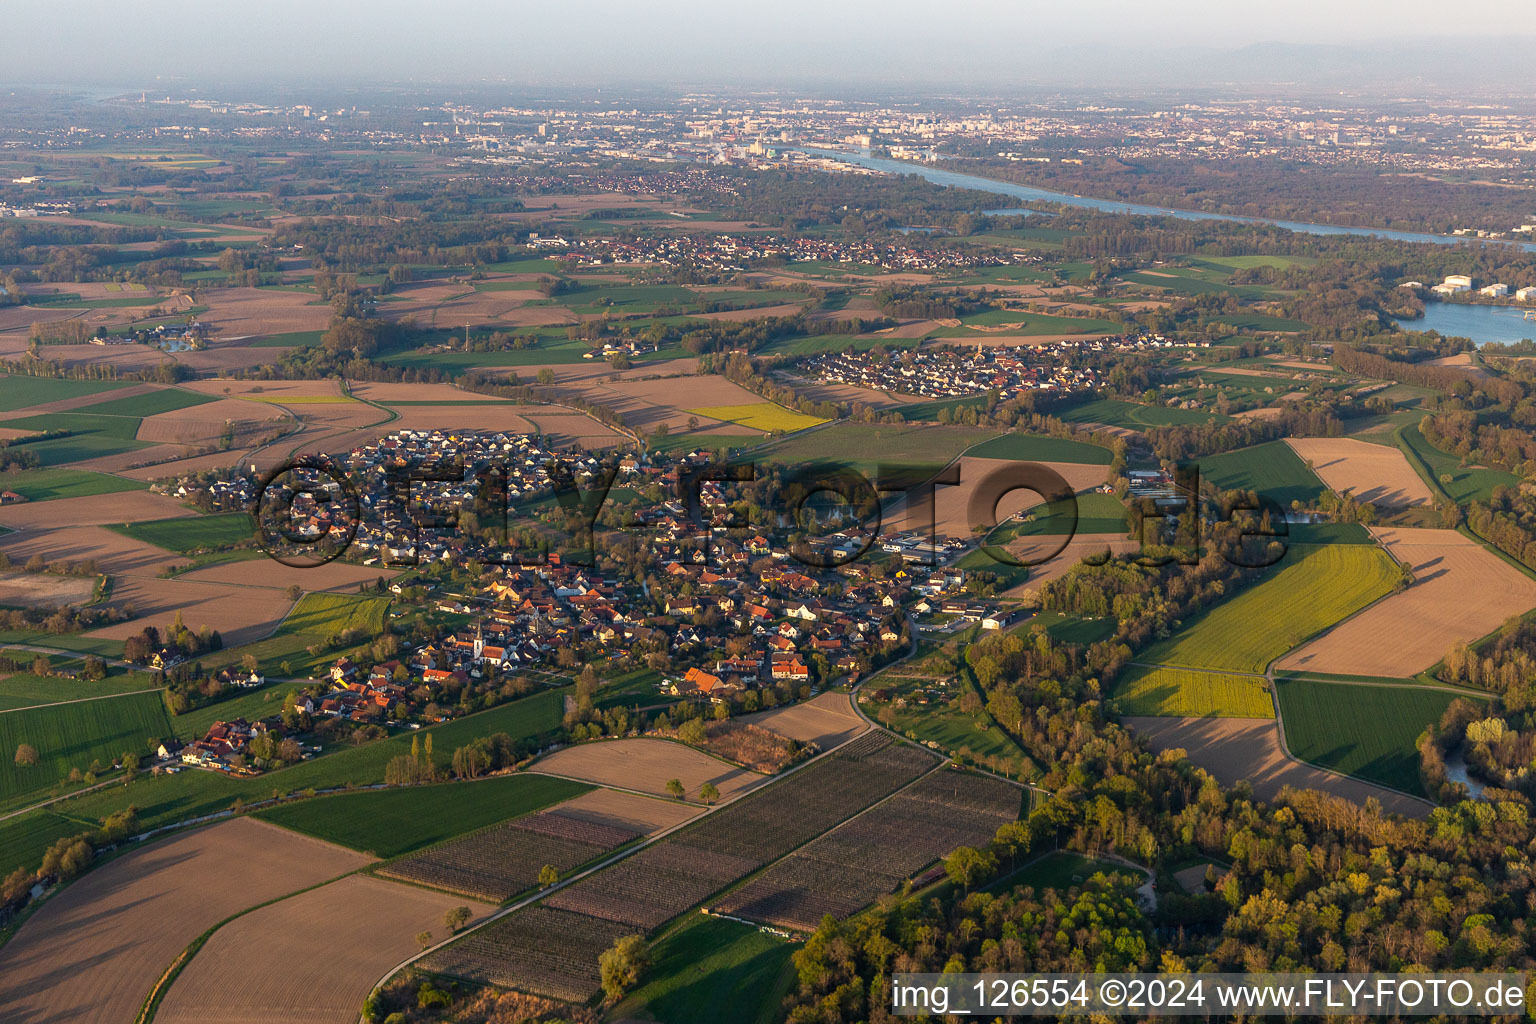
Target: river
x,y
956,180
1483,324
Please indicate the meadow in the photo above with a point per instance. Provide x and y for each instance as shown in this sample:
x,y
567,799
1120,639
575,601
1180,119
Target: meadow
x,y
68,736
390,822
186,534
25,690
1018,323
20,392
712,971
1462,483
90,436
1314,588
1133,415
163,400
1187,694
168,799
1273,469
1368,731
47,484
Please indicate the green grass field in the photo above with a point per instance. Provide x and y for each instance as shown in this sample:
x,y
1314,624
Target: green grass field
x,y
1466,483
47,484
1028,325
1060,870
1313,588
73,735
1070,629
1272,469
293,339
190,533
713,971
1040,448
1096,513
164,400
1185,694
816,344
1261,322
390,822
168,799
25,690
1133,415
91,436
1369,731
19,392
323,614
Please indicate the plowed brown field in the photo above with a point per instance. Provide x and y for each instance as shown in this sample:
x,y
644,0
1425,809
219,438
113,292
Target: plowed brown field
x,y
645,765
1249,748
310,958
94,951
1461,592
1371,472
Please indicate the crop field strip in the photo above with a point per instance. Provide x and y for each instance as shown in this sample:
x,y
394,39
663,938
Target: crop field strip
x,y
552,948
862,859
502,861
1315,588
1188,693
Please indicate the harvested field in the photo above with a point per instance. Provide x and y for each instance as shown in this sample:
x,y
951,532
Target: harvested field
x,y
264,390
44,590
264,572
386,392
140,458
205,424
240,614
827,720
92,510
295,975
1371,472
646,765
1461,591
566,429
1232,749
640,814
499,862
20,318
952,514
491,416
93,952
872,854
850,393
236,313
645,404
191,464
112,552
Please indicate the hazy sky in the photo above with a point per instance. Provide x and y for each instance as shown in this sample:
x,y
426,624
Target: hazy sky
x,y
674,41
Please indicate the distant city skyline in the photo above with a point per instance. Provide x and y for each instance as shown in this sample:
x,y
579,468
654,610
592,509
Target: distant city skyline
x,y
976,44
